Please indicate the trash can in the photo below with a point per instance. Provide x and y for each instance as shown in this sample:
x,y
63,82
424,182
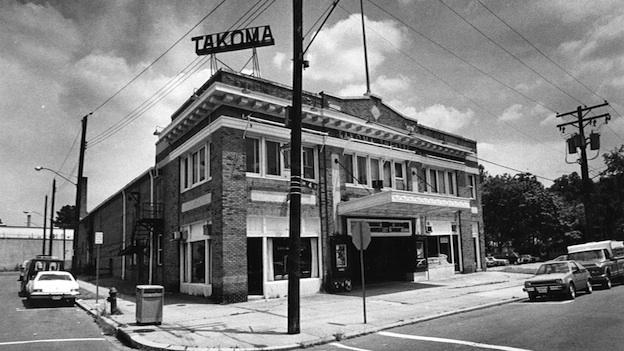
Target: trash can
x,y
149,304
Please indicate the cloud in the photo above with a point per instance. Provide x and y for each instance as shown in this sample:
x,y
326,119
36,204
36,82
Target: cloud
x,y
440,117
337,55
382,86
512,113
279,59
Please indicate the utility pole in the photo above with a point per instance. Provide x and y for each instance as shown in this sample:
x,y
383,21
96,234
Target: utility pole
x,y
52,217
79,184
294,249
579,141
45,211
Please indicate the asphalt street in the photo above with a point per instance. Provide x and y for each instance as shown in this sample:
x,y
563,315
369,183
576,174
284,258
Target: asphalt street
x,y
47,326
591,322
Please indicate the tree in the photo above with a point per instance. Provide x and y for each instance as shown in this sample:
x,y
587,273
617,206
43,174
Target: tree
x,y
519,213
65,217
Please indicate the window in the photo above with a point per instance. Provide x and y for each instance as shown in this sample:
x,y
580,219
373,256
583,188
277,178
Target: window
x,y
252,150
198,261
374,165
472,186
309,168
452,183
387,174
362,175
433,181
398,176
202,163
273,164
185,166
348,165
195,167
441,182
308,258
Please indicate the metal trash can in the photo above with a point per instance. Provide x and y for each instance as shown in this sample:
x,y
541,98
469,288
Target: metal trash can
x,y
149,304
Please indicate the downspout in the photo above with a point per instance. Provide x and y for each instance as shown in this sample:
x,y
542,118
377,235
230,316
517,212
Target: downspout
x,y
123,233
151,238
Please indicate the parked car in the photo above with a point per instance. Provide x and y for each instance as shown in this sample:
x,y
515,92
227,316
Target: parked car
x,y
526,258
512,257
493,262
53,286
38,264
558,278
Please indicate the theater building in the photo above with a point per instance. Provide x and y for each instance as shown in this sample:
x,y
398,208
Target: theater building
x,y
216,223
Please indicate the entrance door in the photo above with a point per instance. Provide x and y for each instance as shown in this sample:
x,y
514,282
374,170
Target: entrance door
x,y
254,266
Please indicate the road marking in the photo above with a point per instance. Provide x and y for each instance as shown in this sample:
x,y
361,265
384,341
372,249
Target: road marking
x,y
48,340
347,347
451,341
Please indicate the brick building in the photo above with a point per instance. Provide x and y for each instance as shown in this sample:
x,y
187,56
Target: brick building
x,y
211,217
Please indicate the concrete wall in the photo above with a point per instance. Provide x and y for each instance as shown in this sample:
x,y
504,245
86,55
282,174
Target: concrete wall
x,y
14,251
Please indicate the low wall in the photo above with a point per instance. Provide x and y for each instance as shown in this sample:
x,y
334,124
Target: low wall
x,y
14,251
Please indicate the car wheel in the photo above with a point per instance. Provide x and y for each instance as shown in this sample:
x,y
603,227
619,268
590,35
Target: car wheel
x,y
532,296
589,289
607,283
571,292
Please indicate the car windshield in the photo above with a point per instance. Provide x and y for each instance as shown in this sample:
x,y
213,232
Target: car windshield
x,y
55,277
587,255
553,268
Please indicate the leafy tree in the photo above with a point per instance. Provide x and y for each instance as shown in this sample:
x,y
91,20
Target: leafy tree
x,y
518,212
65,217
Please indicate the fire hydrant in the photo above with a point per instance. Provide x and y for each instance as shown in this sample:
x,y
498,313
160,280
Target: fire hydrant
x,y
112,298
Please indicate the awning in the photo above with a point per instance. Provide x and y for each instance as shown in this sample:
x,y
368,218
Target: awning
x,y
397,203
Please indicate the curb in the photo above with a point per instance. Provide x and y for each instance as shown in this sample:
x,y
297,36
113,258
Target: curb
x,y
142,343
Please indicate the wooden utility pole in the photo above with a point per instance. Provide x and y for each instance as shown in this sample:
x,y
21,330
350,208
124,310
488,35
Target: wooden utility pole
x,y
45,215
52,217
294,250
581,142
79,184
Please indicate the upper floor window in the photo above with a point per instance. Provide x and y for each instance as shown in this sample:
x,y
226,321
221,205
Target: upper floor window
x,y
441,182
472,186
271,158
370,171
195,167
252,150
309,164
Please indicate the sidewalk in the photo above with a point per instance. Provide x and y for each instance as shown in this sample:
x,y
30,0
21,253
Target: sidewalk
x,y
197,324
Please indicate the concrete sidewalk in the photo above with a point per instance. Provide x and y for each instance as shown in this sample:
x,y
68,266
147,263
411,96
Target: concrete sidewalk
x,y
197,324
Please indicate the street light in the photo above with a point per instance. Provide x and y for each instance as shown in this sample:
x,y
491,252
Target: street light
x,y
39,168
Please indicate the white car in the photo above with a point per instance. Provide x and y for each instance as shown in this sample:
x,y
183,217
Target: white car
x,y
53,286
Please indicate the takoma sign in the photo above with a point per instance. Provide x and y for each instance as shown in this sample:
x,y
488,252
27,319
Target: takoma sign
x,y
233,40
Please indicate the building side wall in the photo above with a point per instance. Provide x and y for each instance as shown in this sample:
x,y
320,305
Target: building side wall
x,y
14,251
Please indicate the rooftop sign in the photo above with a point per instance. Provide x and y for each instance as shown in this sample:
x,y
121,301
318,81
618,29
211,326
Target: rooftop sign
x,y
233,40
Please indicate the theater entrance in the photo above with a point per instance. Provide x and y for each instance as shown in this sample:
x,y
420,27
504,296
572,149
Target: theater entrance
x,y
386,259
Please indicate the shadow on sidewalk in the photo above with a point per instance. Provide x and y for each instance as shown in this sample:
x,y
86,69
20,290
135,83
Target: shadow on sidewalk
x,y
382,288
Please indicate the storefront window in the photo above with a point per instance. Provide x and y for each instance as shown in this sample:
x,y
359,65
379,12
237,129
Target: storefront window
x,y
198,261
280,259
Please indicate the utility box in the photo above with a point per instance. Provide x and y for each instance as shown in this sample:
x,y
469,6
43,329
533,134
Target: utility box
x,y
149,304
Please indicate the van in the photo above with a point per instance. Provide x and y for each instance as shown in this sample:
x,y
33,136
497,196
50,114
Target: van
x,y
38,264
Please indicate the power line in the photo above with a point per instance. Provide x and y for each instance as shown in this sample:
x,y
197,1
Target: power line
x,y
513,169
159,57
460,58
181,77
509,52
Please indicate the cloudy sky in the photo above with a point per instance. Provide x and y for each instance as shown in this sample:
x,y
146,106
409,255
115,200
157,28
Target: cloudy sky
x,y
491,70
